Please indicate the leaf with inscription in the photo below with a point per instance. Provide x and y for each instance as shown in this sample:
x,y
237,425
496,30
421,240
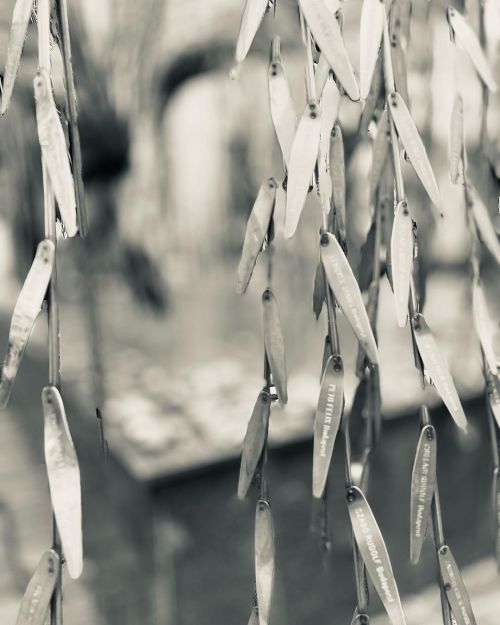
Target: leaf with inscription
x,y
466,37
423,483
370,37
337,166
374,552
26,310
327,421
251,19
482,219
303,159
255,234
64,478
264,559
281,106
346,290
413,145
457,141
437,369
274,344
455,589
483,323
328,36
401,260
17,37
54,151
36,599
253,443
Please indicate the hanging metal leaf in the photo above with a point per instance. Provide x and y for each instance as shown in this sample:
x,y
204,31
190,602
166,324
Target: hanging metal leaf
x,y
346,290
319,291
484,325
328,36
456,592
281,105
256,232
253,443
402,261
423,483
327,421
303,159
483,221
412,143
457,141
493,391
54,151
17,37
64,478
337,166
253,14
437,369
466,37
36,599
26,310
370,37
374,552
264,560
274,344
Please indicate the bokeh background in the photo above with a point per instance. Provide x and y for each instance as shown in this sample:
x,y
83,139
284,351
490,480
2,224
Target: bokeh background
x,y
153,334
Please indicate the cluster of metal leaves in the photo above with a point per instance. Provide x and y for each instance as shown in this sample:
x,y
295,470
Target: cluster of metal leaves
x,y
60,153
313,155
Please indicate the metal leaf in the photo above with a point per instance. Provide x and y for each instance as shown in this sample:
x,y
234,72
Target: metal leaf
x,y
374,553
328,36
253,443
54,151
251,19
303,159
327,421
346,290
412,143
17,37
274,344
401,261
25,313
64,478
457,141
282,107
456,592
437,369
466,37
36,599
423,484
256,231
264,559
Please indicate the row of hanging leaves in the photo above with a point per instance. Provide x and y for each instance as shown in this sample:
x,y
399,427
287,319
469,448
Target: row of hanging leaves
x,y
62,177
312,150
